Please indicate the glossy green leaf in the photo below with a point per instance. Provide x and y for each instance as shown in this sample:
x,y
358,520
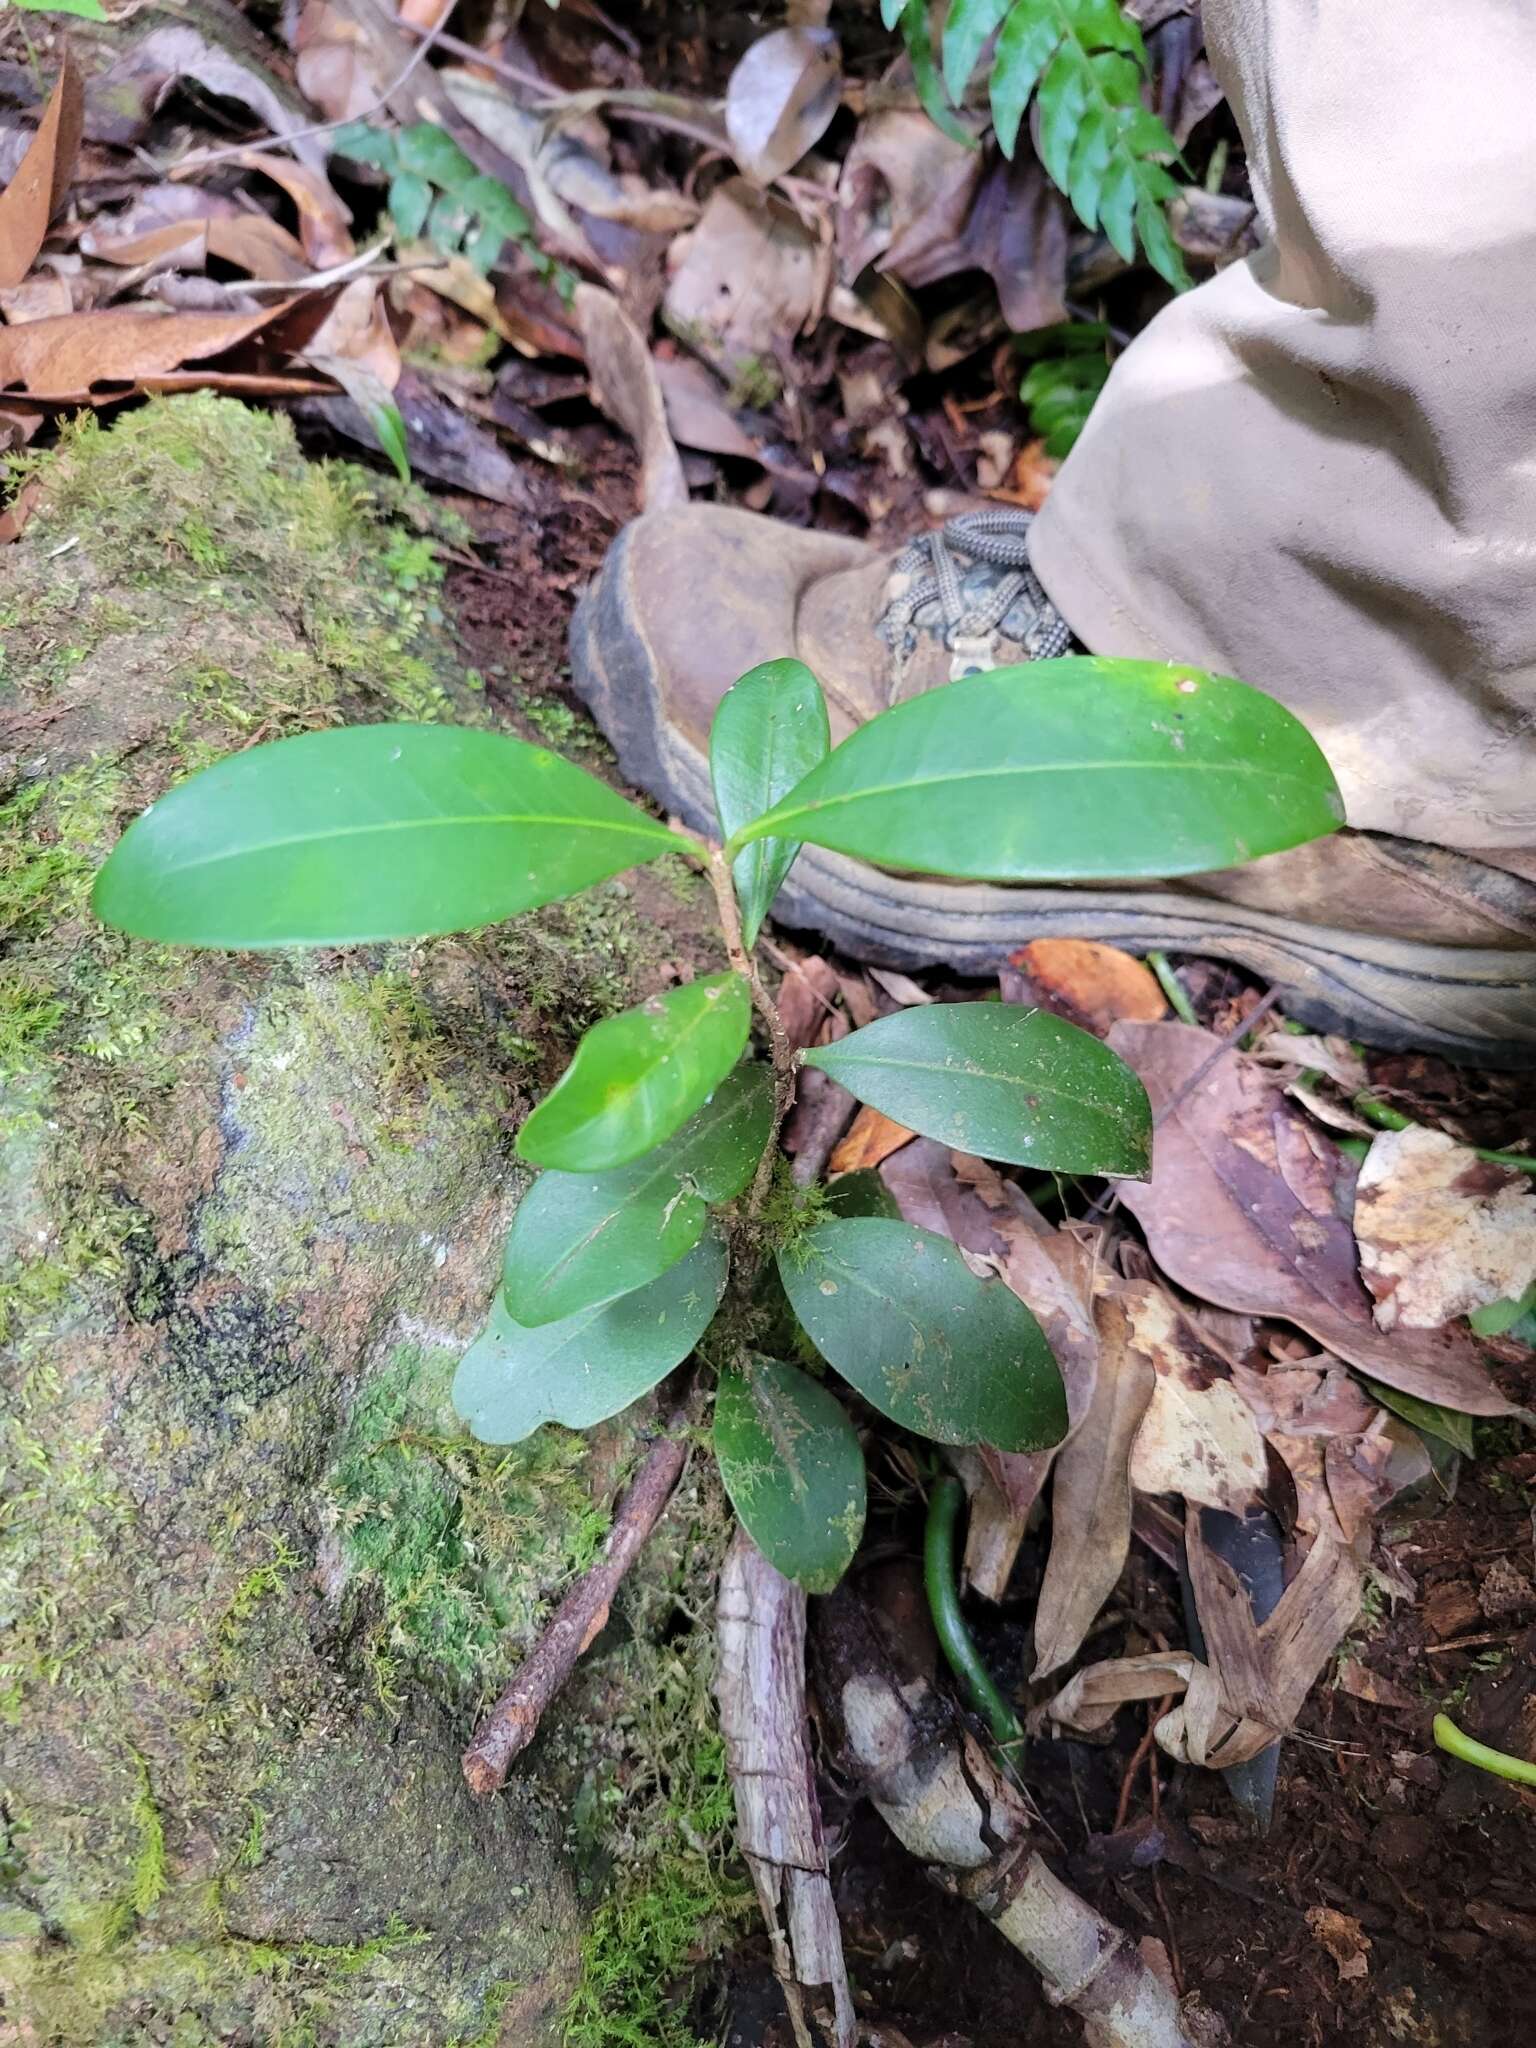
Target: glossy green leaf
x,y
1500,1316
794,1469
638,1076
1001,1080
898,1312
580,1239
1450,1425
770,730
966,29
431,152
590,1365
1068,770
373,832
410,201
860,1193
388,424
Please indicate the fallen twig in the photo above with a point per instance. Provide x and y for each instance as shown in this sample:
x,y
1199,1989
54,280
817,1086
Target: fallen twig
x,y
514,1720
761,1689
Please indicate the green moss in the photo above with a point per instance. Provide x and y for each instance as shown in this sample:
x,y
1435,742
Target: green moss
x,y
462,1543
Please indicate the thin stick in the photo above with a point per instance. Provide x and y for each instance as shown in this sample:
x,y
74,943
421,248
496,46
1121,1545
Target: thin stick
x,y
514,1720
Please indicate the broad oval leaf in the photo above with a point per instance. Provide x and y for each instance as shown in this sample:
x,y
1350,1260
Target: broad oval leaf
x,y
580,1239
770,730
373,832
637,1076
1078,769
902,1317
860,1193
588,1366
794,1469
995,1078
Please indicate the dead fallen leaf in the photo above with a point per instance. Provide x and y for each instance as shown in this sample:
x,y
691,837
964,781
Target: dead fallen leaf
x,y
45,295
1335,1057
698,413
1089,984
123,98
904,197
901,988
71,360
1280,1660
1245,1207
872,1137
1091,1491
324,222
747,278
1441,1232
624,385
1306,1397
1344,1939
1198,1437
780,99
1365,1472
249,242
36,192
13,519
1361,1683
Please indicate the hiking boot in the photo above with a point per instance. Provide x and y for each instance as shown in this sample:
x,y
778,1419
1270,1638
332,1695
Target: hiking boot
x,y
1399,943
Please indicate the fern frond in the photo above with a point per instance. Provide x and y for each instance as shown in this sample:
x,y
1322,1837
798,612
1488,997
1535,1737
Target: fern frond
x,y
1070,369
1085,63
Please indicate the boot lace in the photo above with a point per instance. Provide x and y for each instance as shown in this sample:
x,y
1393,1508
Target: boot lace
x,y
999,536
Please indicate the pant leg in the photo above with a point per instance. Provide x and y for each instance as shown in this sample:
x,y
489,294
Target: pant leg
x,y
1318,470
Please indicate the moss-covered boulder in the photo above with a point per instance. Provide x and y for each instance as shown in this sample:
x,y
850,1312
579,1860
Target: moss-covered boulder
x,y
254,1578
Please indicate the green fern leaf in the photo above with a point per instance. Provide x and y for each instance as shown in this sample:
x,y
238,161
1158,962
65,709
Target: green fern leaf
x,y
1086,63
917,32
1069,371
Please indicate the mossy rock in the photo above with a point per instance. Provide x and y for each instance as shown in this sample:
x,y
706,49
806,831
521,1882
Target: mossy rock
x,y
254,1578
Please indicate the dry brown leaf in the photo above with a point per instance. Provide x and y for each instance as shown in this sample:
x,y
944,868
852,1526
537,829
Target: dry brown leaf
x,y
1198,1438
13,519
70,360
873,1137
124,98
250,242
1361,1683
1344,1939
45,295
1280,1661
780,99
624,385
1308,1397
747,278
1090,984
324,222
904,197
1441,1232
1091,1492
697,411
36,192
1246,1208
356,331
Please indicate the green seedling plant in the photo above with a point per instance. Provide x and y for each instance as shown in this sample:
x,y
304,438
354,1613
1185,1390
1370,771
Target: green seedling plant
x,y
1068,368
660,1227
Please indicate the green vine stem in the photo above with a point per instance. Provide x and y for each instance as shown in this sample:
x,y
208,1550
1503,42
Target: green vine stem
x,y
1172,988
781,1052
1450,1738
1391,1119
949,1624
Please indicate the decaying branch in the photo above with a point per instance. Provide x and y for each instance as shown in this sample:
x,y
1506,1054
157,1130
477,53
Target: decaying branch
x,y
514,1720
761,1689
941,1795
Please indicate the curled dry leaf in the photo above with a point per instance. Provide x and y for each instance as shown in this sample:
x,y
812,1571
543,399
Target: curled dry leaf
x,y
747,277
1246,1207
324,222
135,86
1441,1232
1277,1663
1090,984
36,191
249,242
624,385
872,1137
86,356
697,411
1198,1438
780,99
1344,1939
1091,1489
903,199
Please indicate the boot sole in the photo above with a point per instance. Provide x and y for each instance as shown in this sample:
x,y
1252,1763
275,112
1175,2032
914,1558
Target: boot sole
x,y
1469,1003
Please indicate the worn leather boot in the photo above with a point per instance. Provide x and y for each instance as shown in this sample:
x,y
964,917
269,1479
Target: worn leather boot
x,y
1398,943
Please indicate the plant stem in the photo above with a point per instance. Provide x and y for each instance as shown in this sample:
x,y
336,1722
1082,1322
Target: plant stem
x,y
1450,1738
1172,988
1391,1119
780,1050
961,1653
